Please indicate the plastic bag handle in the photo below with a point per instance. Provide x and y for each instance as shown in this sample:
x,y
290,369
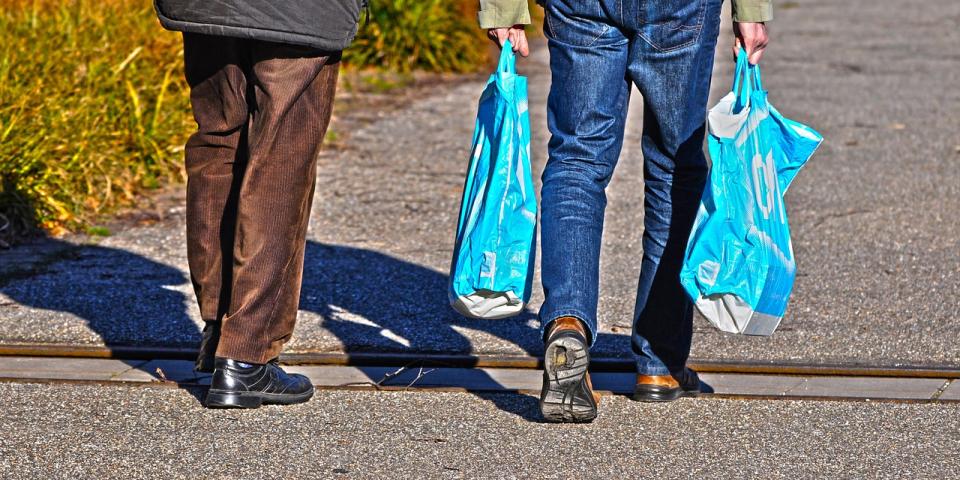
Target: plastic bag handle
x,y
740,70
508,59
757,81
746,79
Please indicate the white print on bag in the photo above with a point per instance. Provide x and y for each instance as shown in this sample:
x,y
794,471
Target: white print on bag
x,y
489,267
764,171
752,125
522,107
520,171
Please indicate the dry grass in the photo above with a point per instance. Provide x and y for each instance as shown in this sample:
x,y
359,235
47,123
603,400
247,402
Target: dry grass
x,y
93,109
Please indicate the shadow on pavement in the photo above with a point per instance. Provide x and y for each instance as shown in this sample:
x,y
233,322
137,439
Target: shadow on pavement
x,y
370,301
522,405
373,302
126,299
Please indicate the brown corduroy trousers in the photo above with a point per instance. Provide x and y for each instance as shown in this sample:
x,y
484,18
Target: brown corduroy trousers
x,y
262,110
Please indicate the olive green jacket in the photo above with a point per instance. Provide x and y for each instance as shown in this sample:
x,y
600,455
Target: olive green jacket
x,y
506,13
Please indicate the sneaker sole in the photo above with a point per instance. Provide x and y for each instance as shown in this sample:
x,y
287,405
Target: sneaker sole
x,y
566,397
226,399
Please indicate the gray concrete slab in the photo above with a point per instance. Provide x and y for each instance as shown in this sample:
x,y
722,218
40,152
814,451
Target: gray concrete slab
x,y
64,369
874,219
162,370
70,431
491,379
869,387
761,385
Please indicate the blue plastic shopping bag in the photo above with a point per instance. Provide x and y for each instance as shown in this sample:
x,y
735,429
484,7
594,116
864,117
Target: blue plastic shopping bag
x,y
739,266
493,258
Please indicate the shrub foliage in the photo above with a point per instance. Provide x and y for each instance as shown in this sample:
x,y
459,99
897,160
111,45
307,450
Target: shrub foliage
x,y
94,109
431,35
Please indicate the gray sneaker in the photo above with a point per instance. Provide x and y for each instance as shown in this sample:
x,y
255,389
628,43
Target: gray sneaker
x,y
567,394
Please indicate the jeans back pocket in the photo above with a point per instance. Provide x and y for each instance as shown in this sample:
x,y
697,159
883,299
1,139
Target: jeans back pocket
x,y
671,24
575,22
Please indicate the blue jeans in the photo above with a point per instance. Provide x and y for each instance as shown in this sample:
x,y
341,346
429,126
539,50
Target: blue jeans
x,y
598,50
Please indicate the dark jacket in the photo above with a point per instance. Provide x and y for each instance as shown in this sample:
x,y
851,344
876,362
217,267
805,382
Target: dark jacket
x,y
324,24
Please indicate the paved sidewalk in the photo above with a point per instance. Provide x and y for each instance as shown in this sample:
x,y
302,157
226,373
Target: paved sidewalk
x,y
874,216
71,431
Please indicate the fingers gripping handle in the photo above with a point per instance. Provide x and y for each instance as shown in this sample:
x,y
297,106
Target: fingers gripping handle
x,y
508,59
746,79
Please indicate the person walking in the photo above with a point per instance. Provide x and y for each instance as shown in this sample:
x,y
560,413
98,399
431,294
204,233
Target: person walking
x,y
599,49
262,78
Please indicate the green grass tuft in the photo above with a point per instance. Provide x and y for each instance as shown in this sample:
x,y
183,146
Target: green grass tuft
x,y
98,231
93,109
431,35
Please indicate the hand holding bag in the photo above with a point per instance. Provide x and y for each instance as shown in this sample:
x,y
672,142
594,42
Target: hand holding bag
x,y
492,269
739,267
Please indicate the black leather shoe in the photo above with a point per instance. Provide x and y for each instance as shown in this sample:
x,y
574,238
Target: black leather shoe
x,y
243,385
208,348
667,388
567,394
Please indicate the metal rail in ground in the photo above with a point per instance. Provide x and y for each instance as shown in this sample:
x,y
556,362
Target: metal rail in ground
x,y
598,364
433,378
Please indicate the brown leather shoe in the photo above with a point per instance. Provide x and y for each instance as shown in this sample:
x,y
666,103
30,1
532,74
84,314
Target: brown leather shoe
x,y
567,394
667,388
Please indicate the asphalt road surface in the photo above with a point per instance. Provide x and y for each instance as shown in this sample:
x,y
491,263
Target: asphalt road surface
x,y
92,431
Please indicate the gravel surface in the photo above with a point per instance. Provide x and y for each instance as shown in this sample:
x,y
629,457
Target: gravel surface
x,y
73,431
874,217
